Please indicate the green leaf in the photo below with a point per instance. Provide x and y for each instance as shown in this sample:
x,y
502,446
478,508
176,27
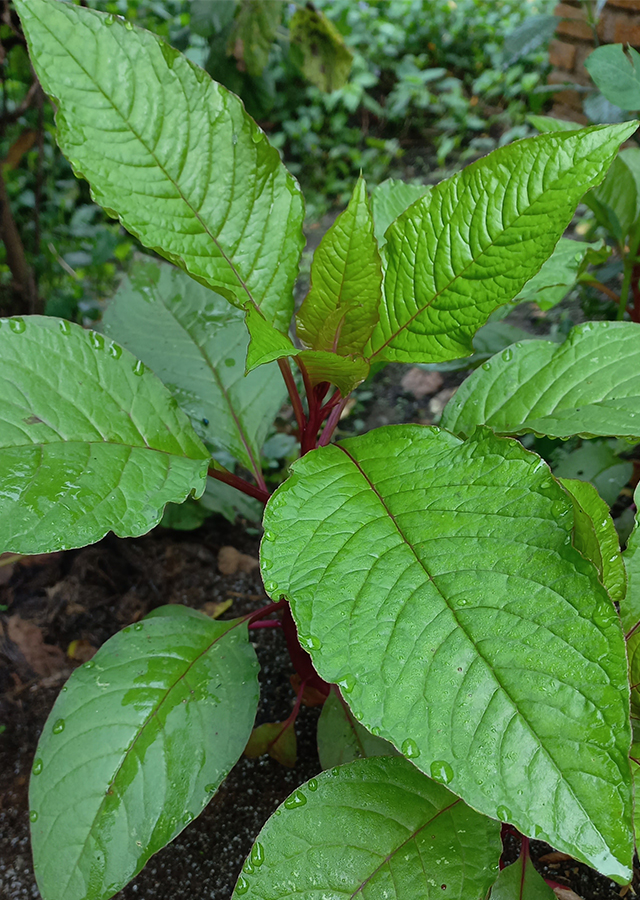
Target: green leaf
x,y
630,606
341,738
90,440
376,829
474,241
341,309
135,747
267,344
443,595
635,771
530,34
615,201
389,200
319,50
520,881
221,498
616,75
490,339
253,33
546,124
597,462
196,344
278,739
559,273
589,386
595,536
171,153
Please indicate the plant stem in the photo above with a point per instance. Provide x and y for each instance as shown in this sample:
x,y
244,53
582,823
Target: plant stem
x,y
260,493
269,623
629,263
265,611
294,396
603,289
332,421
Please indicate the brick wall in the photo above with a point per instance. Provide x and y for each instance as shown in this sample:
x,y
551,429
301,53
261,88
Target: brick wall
x,y
619,24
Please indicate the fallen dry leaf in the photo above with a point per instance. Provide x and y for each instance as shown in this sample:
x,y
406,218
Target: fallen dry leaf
x,y
565,893
420,383
553,857
215,610
231,561
438,403
44,659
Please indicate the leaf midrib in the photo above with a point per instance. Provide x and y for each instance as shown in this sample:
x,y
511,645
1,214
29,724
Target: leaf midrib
x,y
513,704
152,154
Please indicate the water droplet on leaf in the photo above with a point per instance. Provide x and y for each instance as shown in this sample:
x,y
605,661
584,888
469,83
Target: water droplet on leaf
x,y
138,369
242,886
37,766
309,642
33,816
128,25
410,749
257,854
209,788
347,684
441,771
65,327
507,355
503,813
138,626
295,800
312,784
114,350
17,325
188,817
90,663
486,366
96,340
109,20
58,727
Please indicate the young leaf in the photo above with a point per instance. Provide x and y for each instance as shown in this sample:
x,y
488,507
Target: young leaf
x,y
595,536
589,385
630,606
560,273
444,596
135,747
197,347
474,241
341,308
546,124
171,153
616,75
377,829
90,441
389,200
520,881
341,738
278,739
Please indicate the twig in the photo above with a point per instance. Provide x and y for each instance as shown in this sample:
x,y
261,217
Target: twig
x,y
240,484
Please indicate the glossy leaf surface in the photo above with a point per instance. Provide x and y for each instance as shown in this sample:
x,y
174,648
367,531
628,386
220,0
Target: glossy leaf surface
x,y
389,200
440,590
376,829
474,241
90,440
340,310
196,343
616,75
171,153
135,747
595,536
341,738
589,385
521,881
614,202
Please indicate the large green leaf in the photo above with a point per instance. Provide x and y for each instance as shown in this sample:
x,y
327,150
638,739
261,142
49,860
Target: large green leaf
x,y
375,829
135,746
595,536
560,272
520,881
616,75
171,153
436,583
472,243
614,202
589,385
341,308
389,200
630,606
196,344
341,738
90,440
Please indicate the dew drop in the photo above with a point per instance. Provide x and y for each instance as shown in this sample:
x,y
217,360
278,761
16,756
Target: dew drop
x,y
58,727
462,601
229,363
138,369
65,327
257,855
17,325
37,766
115,350
375,731
278,812
312,784
138,626
335,771
507,354
242,886
269,536
234,139
310,642
410,749
266,565
248,866
441,771
109,20
347,684
188,817
90,663
503,813
33,816
295,800
209,788
270,586
486,366
128,25
96,340
559,509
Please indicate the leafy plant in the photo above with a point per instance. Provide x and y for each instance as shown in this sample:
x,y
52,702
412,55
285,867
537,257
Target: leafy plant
x,y
446,593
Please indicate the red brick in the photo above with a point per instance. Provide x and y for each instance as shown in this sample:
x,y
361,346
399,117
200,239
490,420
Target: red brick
x,y
628,5
573,22
627,31
561,55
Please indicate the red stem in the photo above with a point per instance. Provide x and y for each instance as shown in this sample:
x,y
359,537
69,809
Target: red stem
x,y
294,396
332,421
265,611
240,484
270,623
